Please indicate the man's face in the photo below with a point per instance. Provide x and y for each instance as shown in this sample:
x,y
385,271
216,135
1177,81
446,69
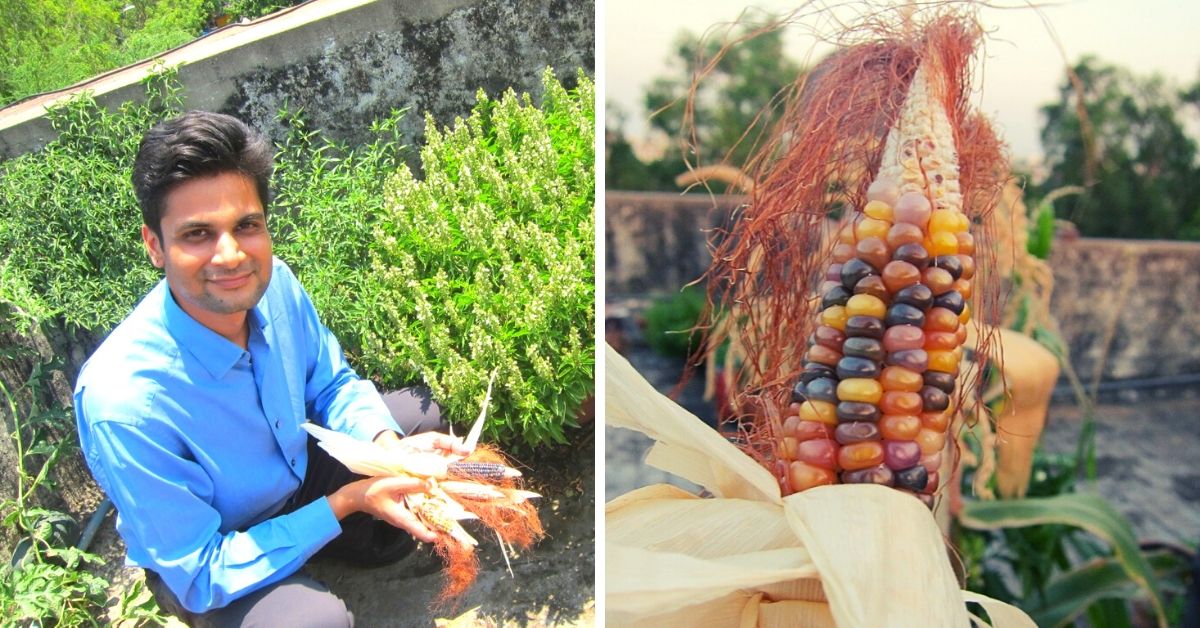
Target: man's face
x,y
215,248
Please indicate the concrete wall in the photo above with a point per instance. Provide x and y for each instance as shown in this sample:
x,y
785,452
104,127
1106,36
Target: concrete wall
x,y
657,241
1129,309
348,62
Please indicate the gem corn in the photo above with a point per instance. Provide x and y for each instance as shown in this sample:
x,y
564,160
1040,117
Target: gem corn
x,y
878,379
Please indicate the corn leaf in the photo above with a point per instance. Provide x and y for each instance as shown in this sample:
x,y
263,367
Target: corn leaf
x,y
1069,594
1082,510
1041,232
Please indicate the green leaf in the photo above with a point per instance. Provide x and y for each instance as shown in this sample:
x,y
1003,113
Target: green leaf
x,y
1081,510
1069,594
1041,235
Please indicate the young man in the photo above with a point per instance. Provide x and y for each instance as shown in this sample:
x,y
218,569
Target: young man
x,y
189,413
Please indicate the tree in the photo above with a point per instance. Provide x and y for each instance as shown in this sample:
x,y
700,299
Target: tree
x,y
729,99
622,168
53,43
50,44
1132,154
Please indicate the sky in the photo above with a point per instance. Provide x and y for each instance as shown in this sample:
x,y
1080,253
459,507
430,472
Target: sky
x,y
1020,70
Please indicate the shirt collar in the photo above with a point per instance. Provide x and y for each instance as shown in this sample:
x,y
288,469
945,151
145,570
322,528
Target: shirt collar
x,y
214,352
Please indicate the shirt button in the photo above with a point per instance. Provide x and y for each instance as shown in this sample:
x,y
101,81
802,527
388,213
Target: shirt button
x,y
276,423
293,462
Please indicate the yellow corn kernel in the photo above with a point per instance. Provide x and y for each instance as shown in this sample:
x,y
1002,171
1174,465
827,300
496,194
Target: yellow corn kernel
x,y
872,228
878,210
943,361
943,220
859,389
865,305
834,316
943,243
819,411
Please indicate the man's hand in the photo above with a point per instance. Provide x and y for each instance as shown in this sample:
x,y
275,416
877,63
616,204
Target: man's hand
x,y
426,441
382,497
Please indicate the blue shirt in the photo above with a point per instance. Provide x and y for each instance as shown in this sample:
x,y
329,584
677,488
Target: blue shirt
x,y
198,441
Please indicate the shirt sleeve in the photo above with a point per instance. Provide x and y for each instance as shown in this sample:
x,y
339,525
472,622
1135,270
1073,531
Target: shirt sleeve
x,y
169,526
334,394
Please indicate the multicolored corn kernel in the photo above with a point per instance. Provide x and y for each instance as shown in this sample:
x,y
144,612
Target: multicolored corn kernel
x,y
878,474
802,476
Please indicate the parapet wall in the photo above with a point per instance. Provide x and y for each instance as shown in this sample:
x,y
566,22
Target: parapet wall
x,y
1129,309
349,62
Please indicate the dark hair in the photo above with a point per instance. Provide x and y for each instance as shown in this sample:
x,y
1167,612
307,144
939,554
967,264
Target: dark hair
x,y
195,145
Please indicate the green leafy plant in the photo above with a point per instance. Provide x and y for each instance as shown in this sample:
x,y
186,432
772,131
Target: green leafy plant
x,y
1060,554
328,199
486,265
46,577
60,591
70,225
669,322
135,605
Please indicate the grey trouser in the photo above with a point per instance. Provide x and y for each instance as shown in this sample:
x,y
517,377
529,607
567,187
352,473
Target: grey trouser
x,y
299,600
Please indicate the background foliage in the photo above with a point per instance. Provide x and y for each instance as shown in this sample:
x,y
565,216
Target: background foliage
x,y
1132,152
727,107
49,44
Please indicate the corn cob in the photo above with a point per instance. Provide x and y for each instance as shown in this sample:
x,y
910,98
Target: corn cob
x,y
440,516
458,489
872,401
483,481
492,471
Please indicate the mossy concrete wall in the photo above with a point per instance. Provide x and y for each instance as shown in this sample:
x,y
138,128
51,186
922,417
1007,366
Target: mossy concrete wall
x,y
349,62
1128,309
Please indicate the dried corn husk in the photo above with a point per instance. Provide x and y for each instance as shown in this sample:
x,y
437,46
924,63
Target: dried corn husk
x,y
1029,372
478,486
845,555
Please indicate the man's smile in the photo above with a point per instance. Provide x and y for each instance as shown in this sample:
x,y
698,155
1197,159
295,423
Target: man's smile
x,y
231,282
